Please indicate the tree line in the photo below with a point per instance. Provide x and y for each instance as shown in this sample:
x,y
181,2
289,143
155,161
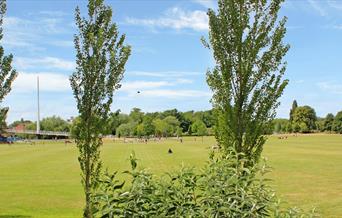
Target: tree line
x,y
160,124
168,123
137,123
303,119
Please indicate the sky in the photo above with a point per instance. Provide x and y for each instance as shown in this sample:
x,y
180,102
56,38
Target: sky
x,y
168,63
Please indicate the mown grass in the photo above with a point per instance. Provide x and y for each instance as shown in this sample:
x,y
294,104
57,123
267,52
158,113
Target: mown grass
x,y
43,180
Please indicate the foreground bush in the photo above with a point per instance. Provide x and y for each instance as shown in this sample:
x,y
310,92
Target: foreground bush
x,y
223,188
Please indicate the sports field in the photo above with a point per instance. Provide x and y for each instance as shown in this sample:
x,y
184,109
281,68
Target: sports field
x,y
43,180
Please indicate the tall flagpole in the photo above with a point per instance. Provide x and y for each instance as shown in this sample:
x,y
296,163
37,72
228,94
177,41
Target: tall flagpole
x,y
38,114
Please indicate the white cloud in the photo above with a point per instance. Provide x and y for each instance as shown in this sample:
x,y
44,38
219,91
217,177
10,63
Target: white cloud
x,y
34,32
317,7
52,25
184,81
175,18
18,33
336,26
168,93
158,89
53,13
288,5
23,63
330,87
54,82
301,81
294,27
165,74
62,43
135,86
207,3
142,49
335,4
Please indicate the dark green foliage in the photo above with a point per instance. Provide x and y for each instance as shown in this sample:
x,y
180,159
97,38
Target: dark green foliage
x,y
115,120
289,128
206,116
54,123
21,121
75,127
280,125
187,121
166,127
112,123
179,132
225,187
171,125
304,128
7,73
328,122
136,115
320,124
199,128
296,127
337,124
294,107
247,44
127,129
277,128
146,127
3,116
141,124
305,117
100,57
172,112
147,124
304,120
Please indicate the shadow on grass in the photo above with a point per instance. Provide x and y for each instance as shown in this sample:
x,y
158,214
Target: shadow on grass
x,y
14,216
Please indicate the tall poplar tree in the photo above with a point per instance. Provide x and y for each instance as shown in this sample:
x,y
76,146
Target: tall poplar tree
x,y
293,109
7,73
101,56
246,39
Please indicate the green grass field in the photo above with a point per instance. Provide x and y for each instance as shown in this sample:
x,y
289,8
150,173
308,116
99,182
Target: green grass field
x,y
43,180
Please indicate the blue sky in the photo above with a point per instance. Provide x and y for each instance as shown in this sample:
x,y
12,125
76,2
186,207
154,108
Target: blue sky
x,y
168,62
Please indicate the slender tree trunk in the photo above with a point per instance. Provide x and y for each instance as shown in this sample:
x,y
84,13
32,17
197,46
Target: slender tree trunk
x,y
87,209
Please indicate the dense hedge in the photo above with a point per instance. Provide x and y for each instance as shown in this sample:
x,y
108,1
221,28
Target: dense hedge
x,y
224,187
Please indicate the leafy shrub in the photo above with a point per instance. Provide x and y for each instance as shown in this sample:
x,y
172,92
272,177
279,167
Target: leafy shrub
x,y
224,187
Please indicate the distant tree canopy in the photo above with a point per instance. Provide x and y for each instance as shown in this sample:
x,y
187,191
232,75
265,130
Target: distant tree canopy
x,y
305,120
136,123
154,124
328,122
161,124
337,123
127,129
75,127
280,125
305,117
54,123
198,128
20,122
